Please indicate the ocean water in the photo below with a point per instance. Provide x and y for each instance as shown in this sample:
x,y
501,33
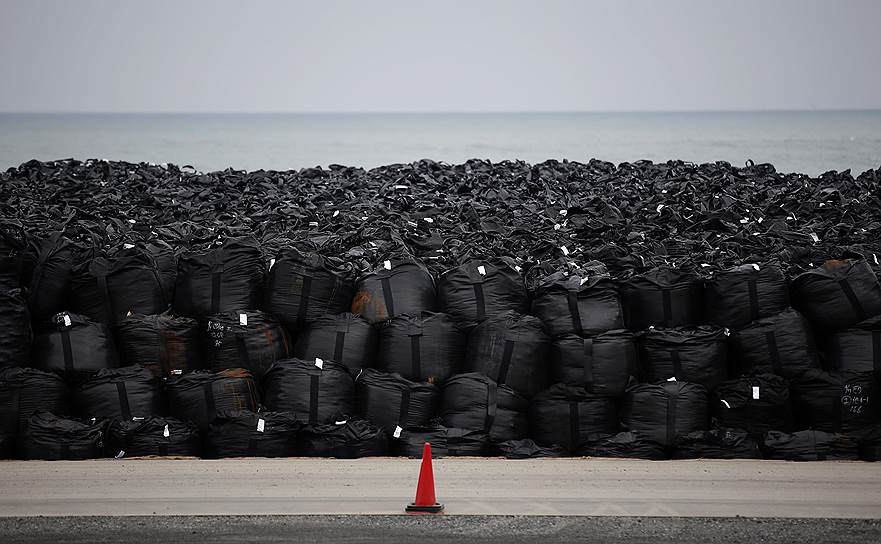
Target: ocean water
x,y
810,142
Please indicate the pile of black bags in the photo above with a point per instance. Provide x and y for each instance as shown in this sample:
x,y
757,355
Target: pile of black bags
x,y
643,310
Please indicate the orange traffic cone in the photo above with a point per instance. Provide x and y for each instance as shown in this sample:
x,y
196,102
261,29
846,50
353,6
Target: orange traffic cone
x,y
425,499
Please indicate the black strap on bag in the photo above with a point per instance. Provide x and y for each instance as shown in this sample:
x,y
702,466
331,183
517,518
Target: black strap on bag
x,y
252,447
67,349
210,406
313,398
388,298
876,350
404,411
216,260
304,300
506,361
574,426
338,346
587,361
164,363
64,451
667,303
753,299
492,399
163,447
774,352
676,361
572,297
415,358
124,407
671,417
854,300
480,299
101,276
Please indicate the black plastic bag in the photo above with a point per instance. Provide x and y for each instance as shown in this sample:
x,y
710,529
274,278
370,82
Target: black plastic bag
x,y
757,404
248,434
392,402
426,347
663,297
857,349
199,396
662,412
838,401
781,344
344,338
625,444
511,349
220,280
125,393
698,355
15,322
13,246
603,364
74,347
716,444
244,339
528,449
345,439
163,344
445,442
315,391
24,391
304,286
809,446
52,438
571,304
159,436
393,289
837,295
107,289
474,401
479,289
566,415
742,294
50,279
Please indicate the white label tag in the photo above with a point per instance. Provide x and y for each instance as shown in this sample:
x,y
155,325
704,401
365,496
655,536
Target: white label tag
x,y
673,379
319,363
725,403
271,263
582,281
814,237
343,422
336,213
565,250
177,372
387,265
755,391
128,246
165,432
261,424
67,321
755,266
243,319
120,455
397,433
481,270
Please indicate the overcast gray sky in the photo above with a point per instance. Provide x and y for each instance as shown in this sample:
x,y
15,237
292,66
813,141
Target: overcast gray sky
x,y
329,56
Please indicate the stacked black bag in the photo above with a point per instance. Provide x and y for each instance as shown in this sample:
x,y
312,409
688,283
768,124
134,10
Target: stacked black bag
x,y
74,346
159,436
199,396
243,433
123,393
15,322
315,392
244,339
344,338
425,347
51,438
477,290
164,344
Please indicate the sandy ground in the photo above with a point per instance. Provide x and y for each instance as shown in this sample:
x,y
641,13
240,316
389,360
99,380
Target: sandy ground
x,y
547,487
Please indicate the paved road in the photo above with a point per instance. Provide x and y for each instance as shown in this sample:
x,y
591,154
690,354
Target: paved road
x,y
550,487
444,529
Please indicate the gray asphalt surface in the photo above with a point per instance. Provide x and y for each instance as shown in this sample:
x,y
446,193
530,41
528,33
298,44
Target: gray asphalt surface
x,y
425,529
542,487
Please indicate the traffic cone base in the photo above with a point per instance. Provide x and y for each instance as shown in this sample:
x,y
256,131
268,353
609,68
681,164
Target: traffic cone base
x,y
414,508
425,502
